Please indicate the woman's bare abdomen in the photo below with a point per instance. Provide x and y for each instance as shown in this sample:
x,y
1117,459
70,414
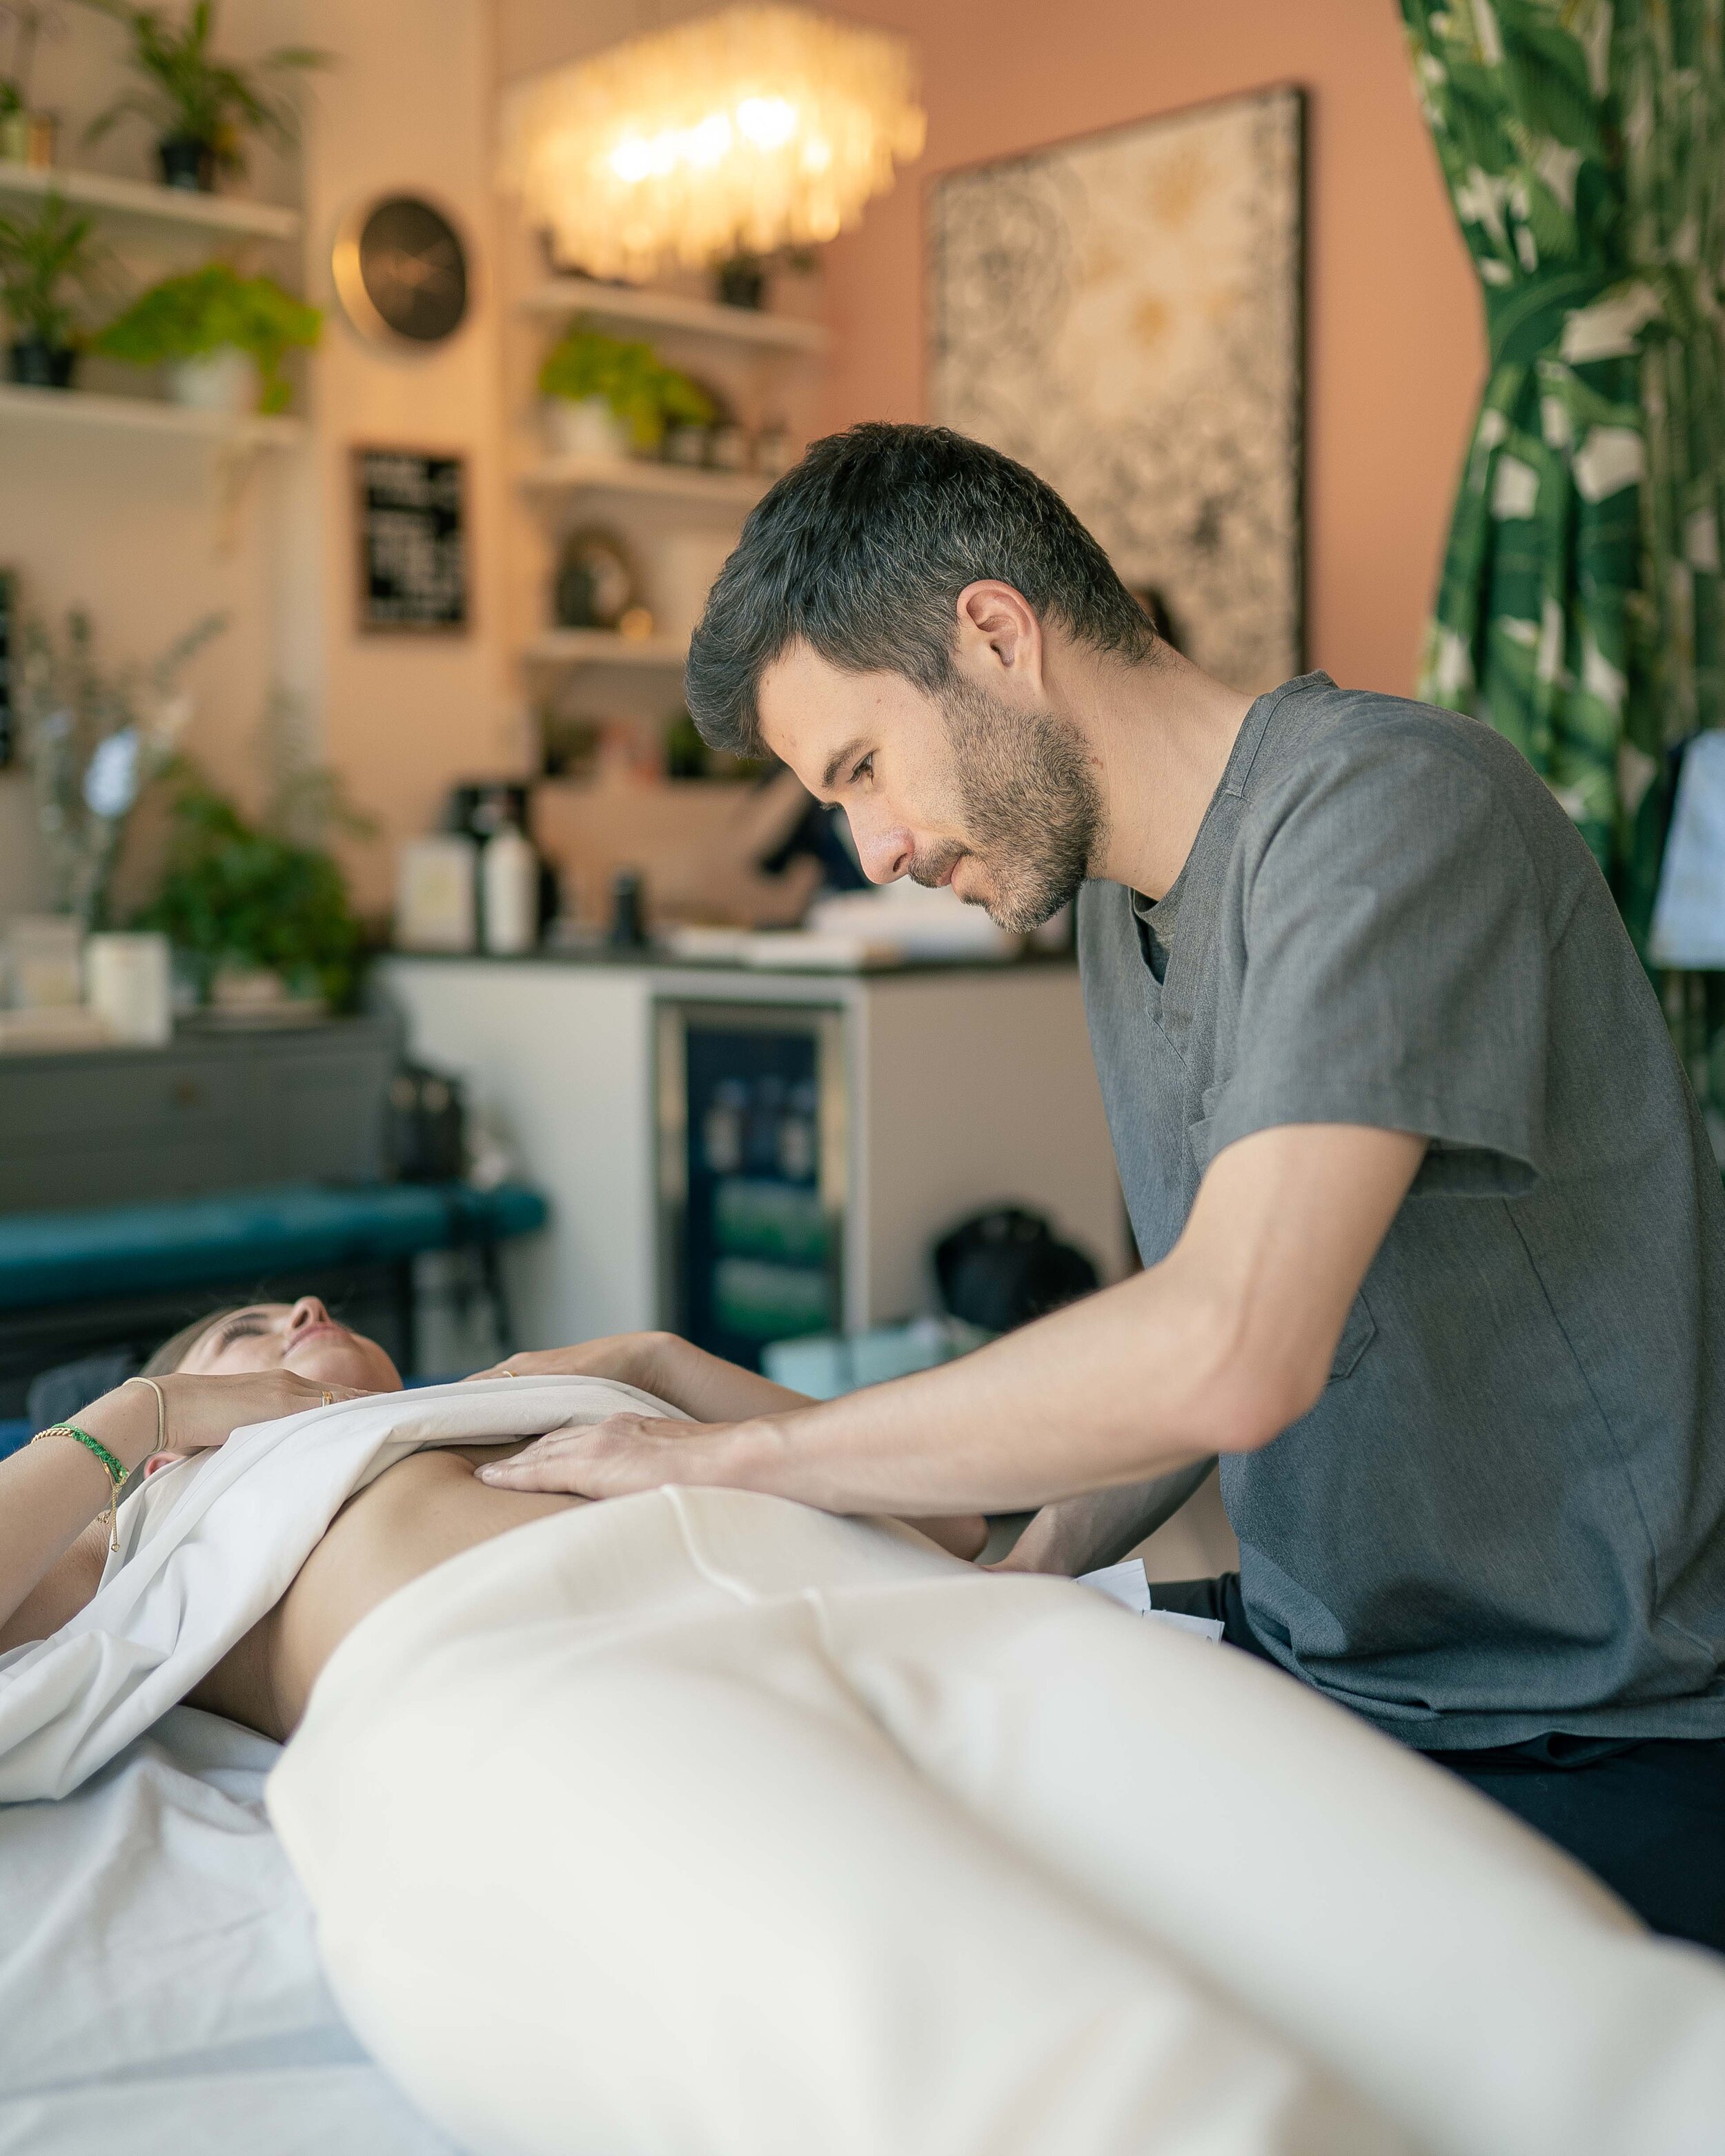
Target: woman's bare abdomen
x,y
416,1514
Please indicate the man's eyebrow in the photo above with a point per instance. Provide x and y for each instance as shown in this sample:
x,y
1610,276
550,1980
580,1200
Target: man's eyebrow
x,y
836,762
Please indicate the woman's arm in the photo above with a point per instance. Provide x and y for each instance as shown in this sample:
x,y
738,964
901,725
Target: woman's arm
x,y
50,1494
705,1388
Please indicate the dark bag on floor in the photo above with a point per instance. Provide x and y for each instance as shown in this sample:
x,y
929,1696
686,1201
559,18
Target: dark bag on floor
x,y
999,1269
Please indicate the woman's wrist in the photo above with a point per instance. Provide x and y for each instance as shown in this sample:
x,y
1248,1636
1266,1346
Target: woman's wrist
x,y
125,1423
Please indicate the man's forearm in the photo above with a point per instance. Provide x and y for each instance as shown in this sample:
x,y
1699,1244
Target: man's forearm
x,y
1060,1407
1217,1348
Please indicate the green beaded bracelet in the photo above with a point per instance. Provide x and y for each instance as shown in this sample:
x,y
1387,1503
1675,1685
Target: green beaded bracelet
x,y
115,1473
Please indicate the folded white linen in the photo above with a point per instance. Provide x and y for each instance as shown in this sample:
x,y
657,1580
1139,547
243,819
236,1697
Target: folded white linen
x,y
208,1546
700,1822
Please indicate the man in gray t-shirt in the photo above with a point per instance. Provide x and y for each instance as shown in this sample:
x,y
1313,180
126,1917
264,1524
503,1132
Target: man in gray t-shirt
x,y
1502,1517
1434,1247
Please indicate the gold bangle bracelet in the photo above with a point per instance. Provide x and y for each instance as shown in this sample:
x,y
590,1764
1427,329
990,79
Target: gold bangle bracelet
x,y
160,1410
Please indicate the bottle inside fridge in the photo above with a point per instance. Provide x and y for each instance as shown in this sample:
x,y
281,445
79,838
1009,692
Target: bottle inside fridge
x,y
751,1175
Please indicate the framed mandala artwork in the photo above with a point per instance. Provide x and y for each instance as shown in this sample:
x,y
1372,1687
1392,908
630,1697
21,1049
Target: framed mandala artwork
x,y
1124,314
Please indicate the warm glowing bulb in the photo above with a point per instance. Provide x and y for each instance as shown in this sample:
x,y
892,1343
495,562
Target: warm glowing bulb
x,y
632,160
708,141
768,122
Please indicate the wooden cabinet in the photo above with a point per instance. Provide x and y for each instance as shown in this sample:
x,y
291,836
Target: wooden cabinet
x,y
208,1112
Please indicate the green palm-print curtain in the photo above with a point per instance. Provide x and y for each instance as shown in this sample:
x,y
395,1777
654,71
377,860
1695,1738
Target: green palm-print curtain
x,y
1579,610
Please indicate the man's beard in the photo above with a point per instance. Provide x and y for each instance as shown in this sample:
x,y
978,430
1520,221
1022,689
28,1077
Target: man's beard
x,y
1031,808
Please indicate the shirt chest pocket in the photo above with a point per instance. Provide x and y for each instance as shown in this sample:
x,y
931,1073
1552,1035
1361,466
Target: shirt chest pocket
x,y
1360,1328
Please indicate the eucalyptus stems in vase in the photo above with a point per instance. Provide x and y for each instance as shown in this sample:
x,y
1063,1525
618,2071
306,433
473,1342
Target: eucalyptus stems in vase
x,y
94,740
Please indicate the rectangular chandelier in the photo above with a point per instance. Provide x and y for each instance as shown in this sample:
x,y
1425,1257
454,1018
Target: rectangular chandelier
x,y
738,133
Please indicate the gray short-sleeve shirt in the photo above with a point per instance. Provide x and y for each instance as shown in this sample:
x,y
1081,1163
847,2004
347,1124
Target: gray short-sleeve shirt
x,y
1506,1514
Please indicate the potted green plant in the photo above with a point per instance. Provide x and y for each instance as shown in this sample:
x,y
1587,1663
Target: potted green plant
x,y
239,899
41,257
201,107
606,396
221,336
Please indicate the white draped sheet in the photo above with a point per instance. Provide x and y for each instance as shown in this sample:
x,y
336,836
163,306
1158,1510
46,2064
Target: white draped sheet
x,y
702,1822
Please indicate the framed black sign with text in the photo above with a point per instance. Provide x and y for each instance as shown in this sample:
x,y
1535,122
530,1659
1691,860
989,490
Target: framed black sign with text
x,y
409,521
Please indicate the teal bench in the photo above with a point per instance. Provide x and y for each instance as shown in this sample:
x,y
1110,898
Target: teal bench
x,y
72,1280
48,1258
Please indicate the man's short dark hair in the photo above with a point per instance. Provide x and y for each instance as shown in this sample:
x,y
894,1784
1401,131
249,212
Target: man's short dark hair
x,y
860,552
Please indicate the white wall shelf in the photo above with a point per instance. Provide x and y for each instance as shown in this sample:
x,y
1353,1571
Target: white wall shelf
x,y
571,648
79,408
686,485
138,202
627,307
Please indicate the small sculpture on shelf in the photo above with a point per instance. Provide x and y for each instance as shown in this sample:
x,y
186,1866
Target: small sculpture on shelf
x,y
202,107
596,584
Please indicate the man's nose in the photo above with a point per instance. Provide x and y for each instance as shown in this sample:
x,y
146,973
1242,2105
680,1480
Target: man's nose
x,y
885,850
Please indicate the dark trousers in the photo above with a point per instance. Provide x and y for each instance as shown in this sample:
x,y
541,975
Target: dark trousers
x,y
1647,1817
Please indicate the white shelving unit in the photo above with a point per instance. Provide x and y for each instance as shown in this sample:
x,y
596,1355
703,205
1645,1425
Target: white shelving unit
x,y
687,486
624,306
136,201
764,365
78,407
571,647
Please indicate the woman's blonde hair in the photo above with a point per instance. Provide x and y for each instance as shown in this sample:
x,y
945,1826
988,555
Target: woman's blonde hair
x,y
171,1355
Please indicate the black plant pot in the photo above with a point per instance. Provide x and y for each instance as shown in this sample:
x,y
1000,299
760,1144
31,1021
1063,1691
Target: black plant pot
x,y
40,365
741,282
185,162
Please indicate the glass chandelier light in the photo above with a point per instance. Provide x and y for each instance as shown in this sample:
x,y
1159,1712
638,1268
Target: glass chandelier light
x,y
757,128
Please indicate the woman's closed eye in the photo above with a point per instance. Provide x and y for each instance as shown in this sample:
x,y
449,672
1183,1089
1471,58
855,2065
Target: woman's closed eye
x,y
240,1328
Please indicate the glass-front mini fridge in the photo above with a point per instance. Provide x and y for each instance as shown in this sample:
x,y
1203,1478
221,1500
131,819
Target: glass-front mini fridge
x,y
752,1144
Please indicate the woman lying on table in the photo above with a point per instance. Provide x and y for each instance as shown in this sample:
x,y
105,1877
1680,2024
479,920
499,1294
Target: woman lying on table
x,y
253,1365
703,1820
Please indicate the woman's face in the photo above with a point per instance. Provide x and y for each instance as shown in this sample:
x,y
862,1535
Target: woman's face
x,y
300,1337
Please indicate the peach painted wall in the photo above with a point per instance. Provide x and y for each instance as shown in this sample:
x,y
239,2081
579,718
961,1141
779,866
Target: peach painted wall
x,y
1395,351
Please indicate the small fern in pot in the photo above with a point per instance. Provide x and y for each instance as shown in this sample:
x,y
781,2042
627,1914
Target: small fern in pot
x,y
42,259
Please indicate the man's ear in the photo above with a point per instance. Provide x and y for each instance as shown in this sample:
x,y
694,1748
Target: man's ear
x,y
999,633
